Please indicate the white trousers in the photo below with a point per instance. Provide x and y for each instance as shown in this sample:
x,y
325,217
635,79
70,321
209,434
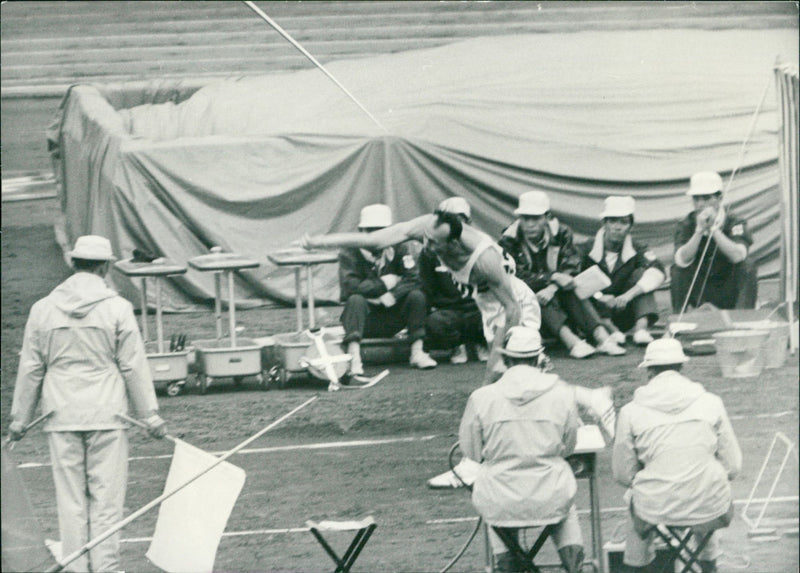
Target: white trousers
x,y
90,472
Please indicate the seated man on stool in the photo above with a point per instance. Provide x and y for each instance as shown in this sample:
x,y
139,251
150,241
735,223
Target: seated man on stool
x,y
633,269
454,320
520,429
726,278
547,259
676,452
381,292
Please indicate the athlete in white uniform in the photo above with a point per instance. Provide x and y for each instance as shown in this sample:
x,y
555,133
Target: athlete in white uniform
x,y
476,260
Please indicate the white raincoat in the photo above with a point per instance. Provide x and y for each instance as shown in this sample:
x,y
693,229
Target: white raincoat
x,y
83,355
676,450
520,428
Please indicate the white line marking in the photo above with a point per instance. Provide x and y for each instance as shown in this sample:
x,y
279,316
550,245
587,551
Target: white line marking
x,y
435,521
775,415
317,446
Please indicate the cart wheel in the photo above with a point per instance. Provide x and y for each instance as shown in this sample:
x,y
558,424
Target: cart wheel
x,y
204,384
175,388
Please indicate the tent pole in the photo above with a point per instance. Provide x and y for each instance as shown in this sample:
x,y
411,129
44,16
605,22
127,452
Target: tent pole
x,y
314,61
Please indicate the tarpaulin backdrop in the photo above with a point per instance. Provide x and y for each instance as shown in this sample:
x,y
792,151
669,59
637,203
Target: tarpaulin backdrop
x,y
250,164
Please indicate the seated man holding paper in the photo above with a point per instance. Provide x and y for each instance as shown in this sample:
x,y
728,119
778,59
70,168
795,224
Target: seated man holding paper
x,y
633,271
547,261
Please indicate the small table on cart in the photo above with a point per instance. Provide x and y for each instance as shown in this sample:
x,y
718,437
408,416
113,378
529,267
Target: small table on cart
x,y
169,366
223,358
293,347
299,259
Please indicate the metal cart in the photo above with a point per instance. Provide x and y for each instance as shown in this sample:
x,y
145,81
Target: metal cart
x,y
169,367
298,352
226,357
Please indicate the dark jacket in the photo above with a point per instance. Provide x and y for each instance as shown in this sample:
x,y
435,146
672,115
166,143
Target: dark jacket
x,y
560,254
357,275
721,267
633,259
441,291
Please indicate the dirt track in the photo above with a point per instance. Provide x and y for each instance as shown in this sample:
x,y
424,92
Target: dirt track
x,y
284,488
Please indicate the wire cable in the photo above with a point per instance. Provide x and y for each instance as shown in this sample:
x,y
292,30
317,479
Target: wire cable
x,y
314,61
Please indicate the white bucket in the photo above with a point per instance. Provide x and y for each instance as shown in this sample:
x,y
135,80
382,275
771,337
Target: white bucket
x,y
741,352
777,347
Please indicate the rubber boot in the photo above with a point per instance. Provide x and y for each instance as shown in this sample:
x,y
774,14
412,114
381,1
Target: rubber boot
x,y
571,558
708,565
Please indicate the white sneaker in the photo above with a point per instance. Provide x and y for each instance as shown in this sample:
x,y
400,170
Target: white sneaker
x,y
467,470
356,368
642,337
460,355
422,360
582,350
601,407
482,352
618,337
611,348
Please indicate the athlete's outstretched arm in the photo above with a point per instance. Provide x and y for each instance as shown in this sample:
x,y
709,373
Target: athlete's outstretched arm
x,y
380,239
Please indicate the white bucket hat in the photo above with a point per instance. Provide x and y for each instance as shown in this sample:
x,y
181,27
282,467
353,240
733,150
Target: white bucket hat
x,y
375,216
705,183
522,342
92,248
663,351
455,205
533,203
617,206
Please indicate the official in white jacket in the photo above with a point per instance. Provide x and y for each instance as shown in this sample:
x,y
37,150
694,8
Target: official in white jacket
x,y
84,359
520,429
676,452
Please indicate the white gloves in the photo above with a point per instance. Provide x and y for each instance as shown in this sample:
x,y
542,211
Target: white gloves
x,y
390,281
156,427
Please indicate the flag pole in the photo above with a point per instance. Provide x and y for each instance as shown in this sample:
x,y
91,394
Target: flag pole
x,y
136,514
314,61
36,422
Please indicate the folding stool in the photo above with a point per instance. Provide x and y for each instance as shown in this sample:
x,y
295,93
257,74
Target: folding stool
x,y
678,538
523,557
363,529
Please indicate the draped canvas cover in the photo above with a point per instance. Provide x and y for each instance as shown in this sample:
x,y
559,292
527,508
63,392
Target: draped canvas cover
x,y
251,164
786,77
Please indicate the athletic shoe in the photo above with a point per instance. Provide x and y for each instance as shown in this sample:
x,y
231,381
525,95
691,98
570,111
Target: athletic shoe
x,y
642,337
422,360
601,407
467,470
459,355
356,368
582,350
618,337
611,348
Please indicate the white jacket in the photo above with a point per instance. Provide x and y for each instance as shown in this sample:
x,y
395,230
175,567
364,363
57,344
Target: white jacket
x,y
83,356
520,428
675,448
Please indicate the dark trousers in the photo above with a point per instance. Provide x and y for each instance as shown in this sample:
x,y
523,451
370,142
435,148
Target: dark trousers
x,y
446,328
738,290
566,308
364,320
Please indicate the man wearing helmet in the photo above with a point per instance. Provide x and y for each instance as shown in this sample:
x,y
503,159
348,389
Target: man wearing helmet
x,y
711,247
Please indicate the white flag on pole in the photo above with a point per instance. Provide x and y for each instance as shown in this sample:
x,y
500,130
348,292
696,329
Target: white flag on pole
x,y
190,523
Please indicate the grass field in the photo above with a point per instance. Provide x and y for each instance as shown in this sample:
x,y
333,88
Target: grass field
x,y
355,453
